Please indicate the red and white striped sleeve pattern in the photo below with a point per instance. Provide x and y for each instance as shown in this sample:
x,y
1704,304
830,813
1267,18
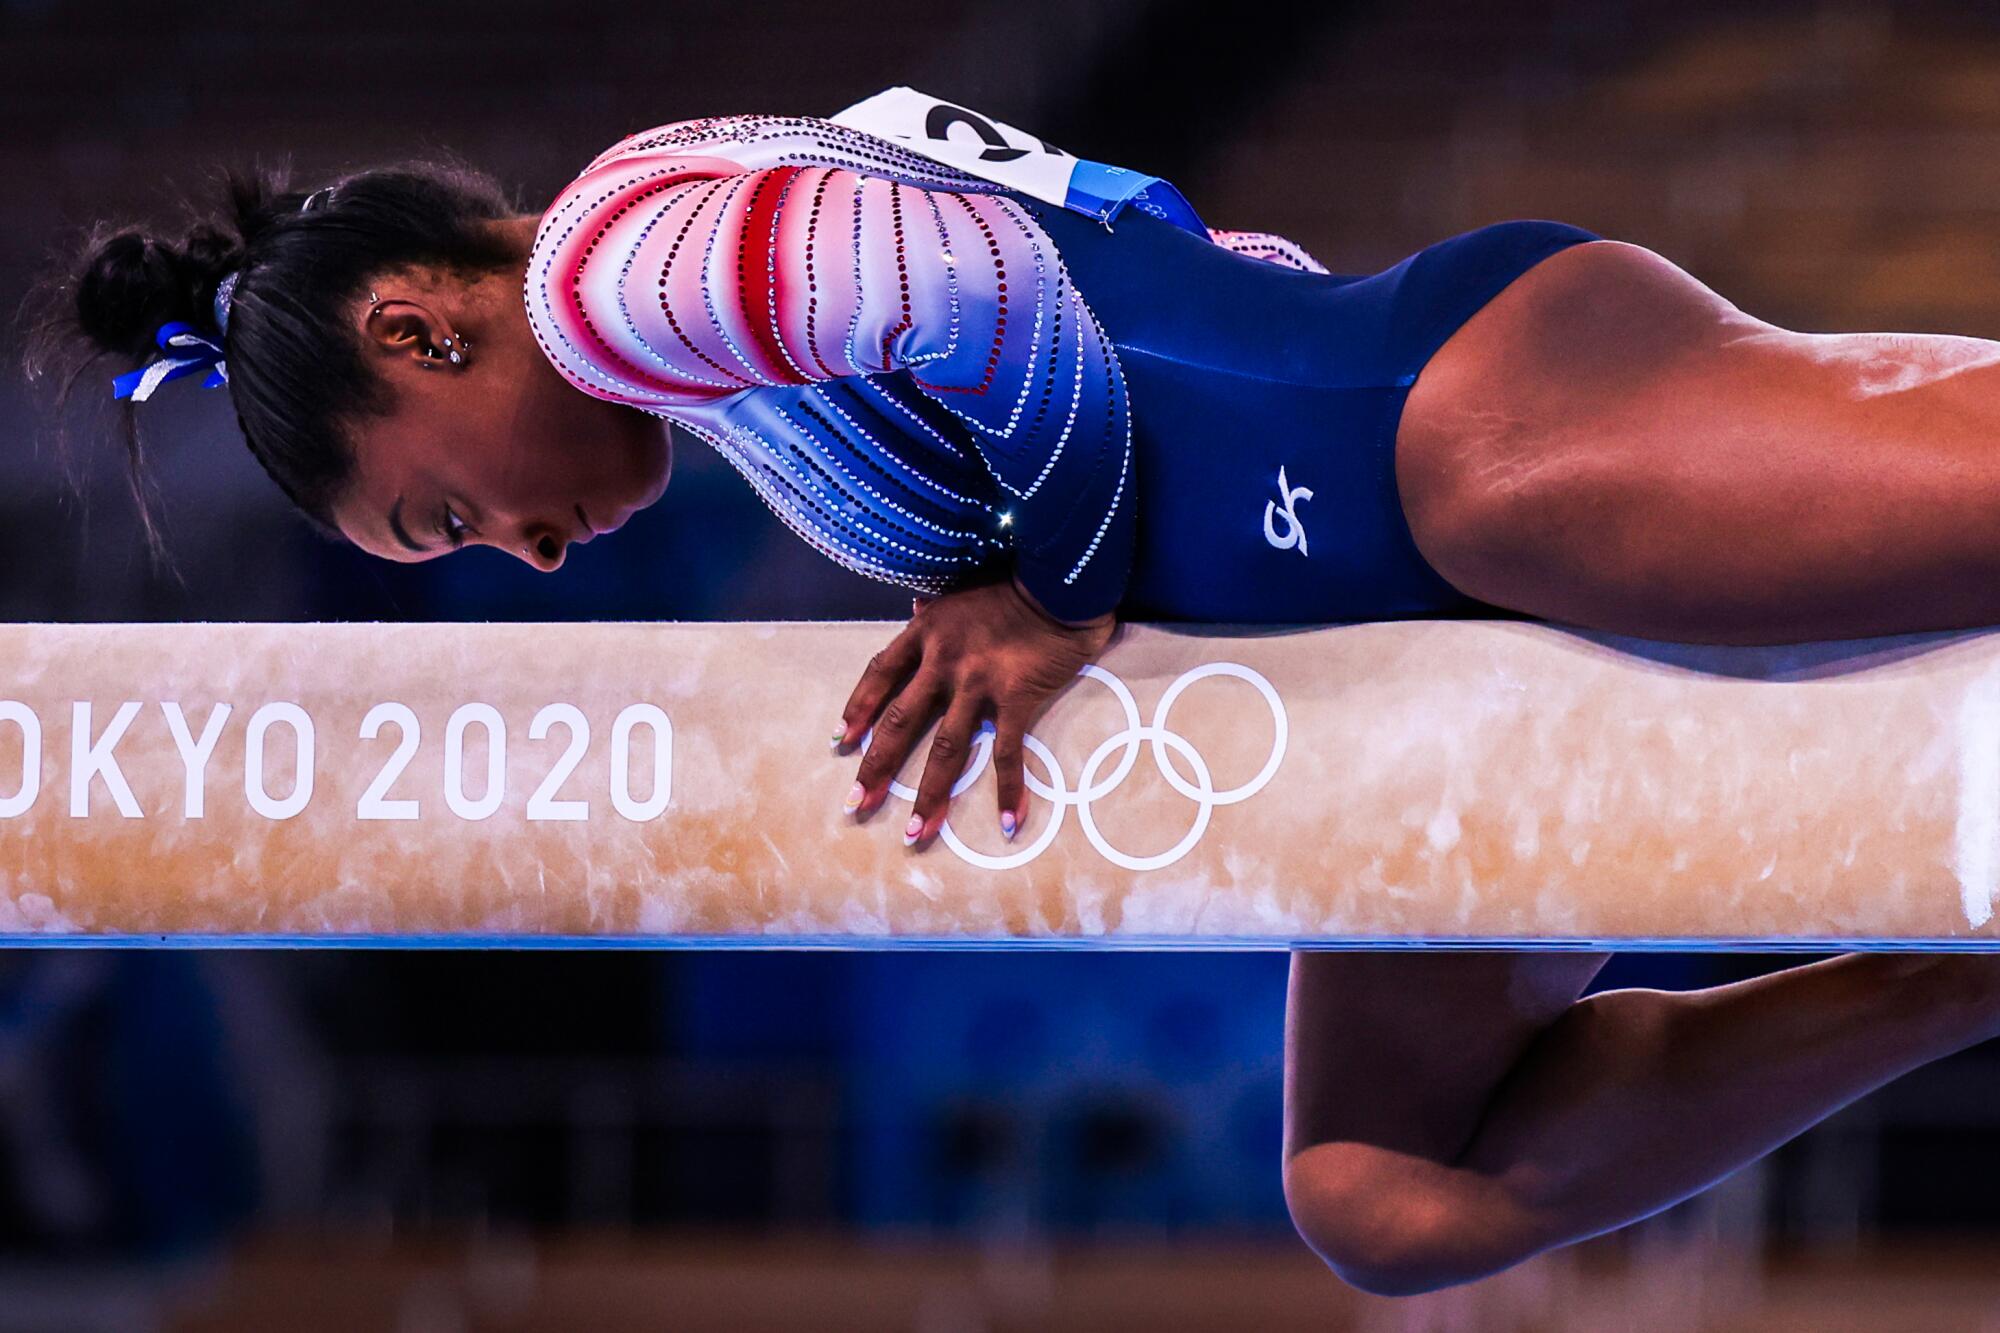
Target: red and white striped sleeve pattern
x,y
674,279
1267,246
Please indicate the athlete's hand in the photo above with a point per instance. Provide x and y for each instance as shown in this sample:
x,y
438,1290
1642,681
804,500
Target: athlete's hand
x,y
973,653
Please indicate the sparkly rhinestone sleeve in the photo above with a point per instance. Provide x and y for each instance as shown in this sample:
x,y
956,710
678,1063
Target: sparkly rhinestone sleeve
x,y
1264,245
696,292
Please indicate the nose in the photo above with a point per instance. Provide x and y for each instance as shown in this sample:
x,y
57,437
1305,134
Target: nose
x,y
544,547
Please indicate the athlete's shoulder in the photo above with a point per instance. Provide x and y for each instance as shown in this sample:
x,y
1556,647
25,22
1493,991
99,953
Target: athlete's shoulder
x,y
612,204
757,142
644,164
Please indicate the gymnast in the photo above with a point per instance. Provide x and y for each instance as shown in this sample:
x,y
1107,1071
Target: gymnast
x,y
1044,422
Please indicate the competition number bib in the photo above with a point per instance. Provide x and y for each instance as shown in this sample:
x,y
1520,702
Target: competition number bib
x,y
982,146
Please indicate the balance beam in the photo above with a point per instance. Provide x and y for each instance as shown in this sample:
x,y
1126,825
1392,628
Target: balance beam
x,y
1414,784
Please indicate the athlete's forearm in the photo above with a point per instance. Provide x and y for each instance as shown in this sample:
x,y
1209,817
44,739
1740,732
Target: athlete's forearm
x,y
1634,1100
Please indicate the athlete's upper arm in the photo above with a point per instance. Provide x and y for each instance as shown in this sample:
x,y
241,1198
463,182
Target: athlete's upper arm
x,y
686,285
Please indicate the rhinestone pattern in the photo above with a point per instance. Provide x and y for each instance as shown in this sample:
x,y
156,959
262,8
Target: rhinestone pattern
x,y
1268,247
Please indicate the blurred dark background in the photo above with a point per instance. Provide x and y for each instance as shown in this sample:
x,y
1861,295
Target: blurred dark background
x,y
967,1141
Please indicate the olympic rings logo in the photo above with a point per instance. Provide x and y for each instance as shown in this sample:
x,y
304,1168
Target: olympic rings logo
x,y
1201,789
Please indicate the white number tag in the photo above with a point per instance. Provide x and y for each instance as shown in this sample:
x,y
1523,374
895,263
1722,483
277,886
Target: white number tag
x,y
994,150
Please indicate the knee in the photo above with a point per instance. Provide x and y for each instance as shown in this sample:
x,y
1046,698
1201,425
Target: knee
x,y
1388,1275
1372,1244
1375,1266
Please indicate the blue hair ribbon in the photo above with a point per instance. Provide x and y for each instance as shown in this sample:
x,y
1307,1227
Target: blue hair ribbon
x,y
185,351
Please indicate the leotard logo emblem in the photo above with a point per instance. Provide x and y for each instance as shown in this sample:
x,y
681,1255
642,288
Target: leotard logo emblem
x,y
1295,531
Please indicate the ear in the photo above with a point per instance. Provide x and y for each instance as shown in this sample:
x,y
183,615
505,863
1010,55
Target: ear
x,y
406,329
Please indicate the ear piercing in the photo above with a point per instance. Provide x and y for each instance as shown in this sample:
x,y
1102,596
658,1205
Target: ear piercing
x,y
456,356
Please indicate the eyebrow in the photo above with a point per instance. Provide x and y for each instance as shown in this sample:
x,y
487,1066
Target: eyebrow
x,y
396,526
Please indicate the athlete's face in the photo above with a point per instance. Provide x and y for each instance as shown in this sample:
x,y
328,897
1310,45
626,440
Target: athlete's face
x,y
498,450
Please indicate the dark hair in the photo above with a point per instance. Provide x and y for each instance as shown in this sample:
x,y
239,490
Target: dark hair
x,y
297,375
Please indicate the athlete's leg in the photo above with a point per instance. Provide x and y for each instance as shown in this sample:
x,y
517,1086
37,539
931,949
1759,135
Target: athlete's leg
x,y
1449,1116
1610,443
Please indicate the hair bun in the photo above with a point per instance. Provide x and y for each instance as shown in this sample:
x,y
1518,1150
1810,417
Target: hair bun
x,y
299,377
133,283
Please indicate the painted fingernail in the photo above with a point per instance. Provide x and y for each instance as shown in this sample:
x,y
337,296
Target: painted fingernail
x,y
1007,823
912,829
839,738
854,795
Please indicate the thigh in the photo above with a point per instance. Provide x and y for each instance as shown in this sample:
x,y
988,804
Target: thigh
x,y
1522,455
1555,361
1611,443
